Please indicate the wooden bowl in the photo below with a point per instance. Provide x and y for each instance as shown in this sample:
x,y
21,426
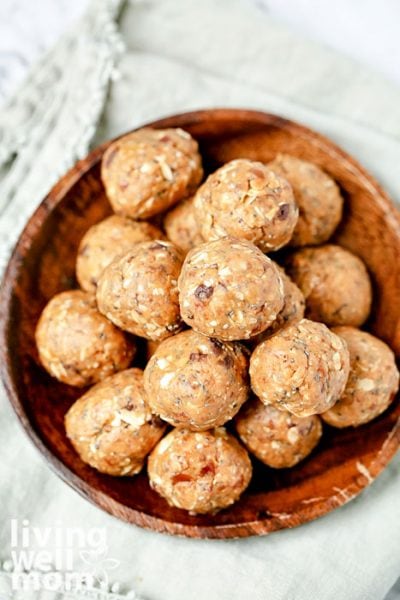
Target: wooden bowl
x,y
43,264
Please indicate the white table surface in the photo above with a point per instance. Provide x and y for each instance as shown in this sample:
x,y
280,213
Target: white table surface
x,y
366,30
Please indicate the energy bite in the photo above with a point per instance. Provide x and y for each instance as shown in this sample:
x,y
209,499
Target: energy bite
x,y
149,170
111,426
197,382
181,226
303,368
138,291
276,437
317,196
293,309
229,289
201,472
246,200
103,242
372,384
77,344
335,283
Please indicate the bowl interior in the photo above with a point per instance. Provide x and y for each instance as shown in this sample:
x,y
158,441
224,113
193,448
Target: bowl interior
x,y
43,264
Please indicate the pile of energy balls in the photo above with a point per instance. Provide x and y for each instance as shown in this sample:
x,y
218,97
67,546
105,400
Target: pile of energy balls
x,y
184,265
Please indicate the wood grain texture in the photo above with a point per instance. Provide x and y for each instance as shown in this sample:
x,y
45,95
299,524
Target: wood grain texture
x,y
43,264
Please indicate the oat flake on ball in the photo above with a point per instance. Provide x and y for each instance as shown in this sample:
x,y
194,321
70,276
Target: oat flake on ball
x,y
197,382
201,472
138,291
303,368
246,200
111,426
149,170
77,344
106,240
229,289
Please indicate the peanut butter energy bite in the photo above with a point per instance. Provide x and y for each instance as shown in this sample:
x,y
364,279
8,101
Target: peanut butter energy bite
x,y
138,290
103,242
246,200
229,289
149,170
276,437
335,283
77,344
303,368
182,227
292,311
201,472
317,196
111,426
197,382
372,384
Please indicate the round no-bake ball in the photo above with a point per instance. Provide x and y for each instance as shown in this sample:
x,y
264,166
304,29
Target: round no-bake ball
x,y
248,201
111,426
302,368
138,290
77,344
149,170
372,384
229,289
182,227
197,382
103,242
276,437
335,283
317,196
293,309
201,472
